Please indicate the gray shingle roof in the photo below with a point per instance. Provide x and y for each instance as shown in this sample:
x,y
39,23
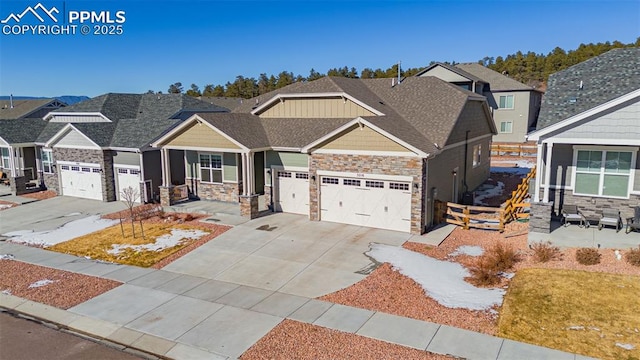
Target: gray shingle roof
x,y
421,111
137,119
226,102
604,78
21,130
497,81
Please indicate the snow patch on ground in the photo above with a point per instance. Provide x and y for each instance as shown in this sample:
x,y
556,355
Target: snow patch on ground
x,y
6,292
488,192
68,231
73,214
41,283
5,206
7,257
162,242
576,327
441,280
468,250
626,346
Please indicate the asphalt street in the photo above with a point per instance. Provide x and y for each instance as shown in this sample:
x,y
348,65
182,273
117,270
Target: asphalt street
x,y
22,339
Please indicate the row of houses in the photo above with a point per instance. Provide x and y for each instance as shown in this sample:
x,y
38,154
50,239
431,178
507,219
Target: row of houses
x,y
370,152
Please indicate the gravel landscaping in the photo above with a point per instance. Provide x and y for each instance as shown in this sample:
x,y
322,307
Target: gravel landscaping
x,y
296,340
58,288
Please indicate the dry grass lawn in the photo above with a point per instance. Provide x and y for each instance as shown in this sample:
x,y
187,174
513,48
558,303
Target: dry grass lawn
x,y
96,245
594,314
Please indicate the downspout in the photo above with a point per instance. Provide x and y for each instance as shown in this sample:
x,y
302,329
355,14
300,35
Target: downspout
x,y
466,155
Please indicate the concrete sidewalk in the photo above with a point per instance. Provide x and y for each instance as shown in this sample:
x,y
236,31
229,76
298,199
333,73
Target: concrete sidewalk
x,y
187,317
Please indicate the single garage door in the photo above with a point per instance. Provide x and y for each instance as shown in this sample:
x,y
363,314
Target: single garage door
x,y
81,181
128,177
291,192
374,203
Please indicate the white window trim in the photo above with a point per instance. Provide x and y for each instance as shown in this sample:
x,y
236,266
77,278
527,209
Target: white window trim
x,y
199,175
510,127
8,158
513,102
632,149
51,161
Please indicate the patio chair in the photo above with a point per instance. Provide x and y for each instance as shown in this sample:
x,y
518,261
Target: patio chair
x,y
571,213
633,223
610,217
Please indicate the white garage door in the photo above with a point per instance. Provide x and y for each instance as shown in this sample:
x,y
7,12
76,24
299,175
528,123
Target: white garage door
x,y
374,203
291,192
81,181
128,177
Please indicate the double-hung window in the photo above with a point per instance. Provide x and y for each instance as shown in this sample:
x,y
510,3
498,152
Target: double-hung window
x,y
506,127
211,168
505,102
4,158
603,172
47,161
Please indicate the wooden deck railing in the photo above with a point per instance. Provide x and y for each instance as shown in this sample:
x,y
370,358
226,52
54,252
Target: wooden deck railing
x,y
523,150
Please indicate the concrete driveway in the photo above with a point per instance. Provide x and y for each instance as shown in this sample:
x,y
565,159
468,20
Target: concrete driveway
x,y
52,213
289,254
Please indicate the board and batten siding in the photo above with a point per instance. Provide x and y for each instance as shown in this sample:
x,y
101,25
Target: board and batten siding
x,y
74,139
316,108
621,123
362,139
284,159
200,135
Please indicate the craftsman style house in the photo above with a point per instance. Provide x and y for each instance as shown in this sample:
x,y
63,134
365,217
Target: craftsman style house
x,y
20,124
364,152
514,105
588,138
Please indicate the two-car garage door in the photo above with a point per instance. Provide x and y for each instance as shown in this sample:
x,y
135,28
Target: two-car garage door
x,y
81,180
375,203
367,201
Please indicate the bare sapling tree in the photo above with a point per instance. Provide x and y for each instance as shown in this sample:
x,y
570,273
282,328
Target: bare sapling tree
x,y
129,196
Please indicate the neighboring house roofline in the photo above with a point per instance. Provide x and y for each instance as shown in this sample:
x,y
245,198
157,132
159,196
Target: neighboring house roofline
x,y
458,71
361,121
284,96
538,134
63,131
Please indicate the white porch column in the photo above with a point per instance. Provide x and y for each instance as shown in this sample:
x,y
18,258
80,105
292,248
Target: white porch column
x,y
244,174
163,161
547,172
252,174
12,162
168,168
539,172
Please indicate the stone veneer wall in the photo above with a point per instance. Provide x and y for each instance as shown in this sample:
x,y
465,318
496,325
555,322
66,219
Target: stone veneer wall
x,y
592,206
104,158
540,217
369,164
267,197
222,192
51,182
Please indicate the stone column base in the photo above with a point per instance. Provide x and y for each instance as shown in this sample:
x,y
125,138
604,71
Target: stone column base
x,y
540,218
166,196
249,206
18,185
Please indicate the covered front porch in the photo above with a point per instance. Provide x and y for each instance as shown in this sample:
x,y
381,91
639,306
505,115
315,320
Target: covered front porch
x,y
575,236
20,166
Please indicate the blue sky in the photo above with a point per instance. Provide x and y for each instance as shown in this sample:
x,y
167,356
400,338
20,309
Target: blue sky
x,y
211,42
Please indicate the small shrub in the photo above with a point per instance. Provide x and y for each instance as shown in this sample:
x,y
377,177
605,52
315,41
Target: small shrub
x,y
188,217
488,267
503,257
588,256
633,256
545,252
484,272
